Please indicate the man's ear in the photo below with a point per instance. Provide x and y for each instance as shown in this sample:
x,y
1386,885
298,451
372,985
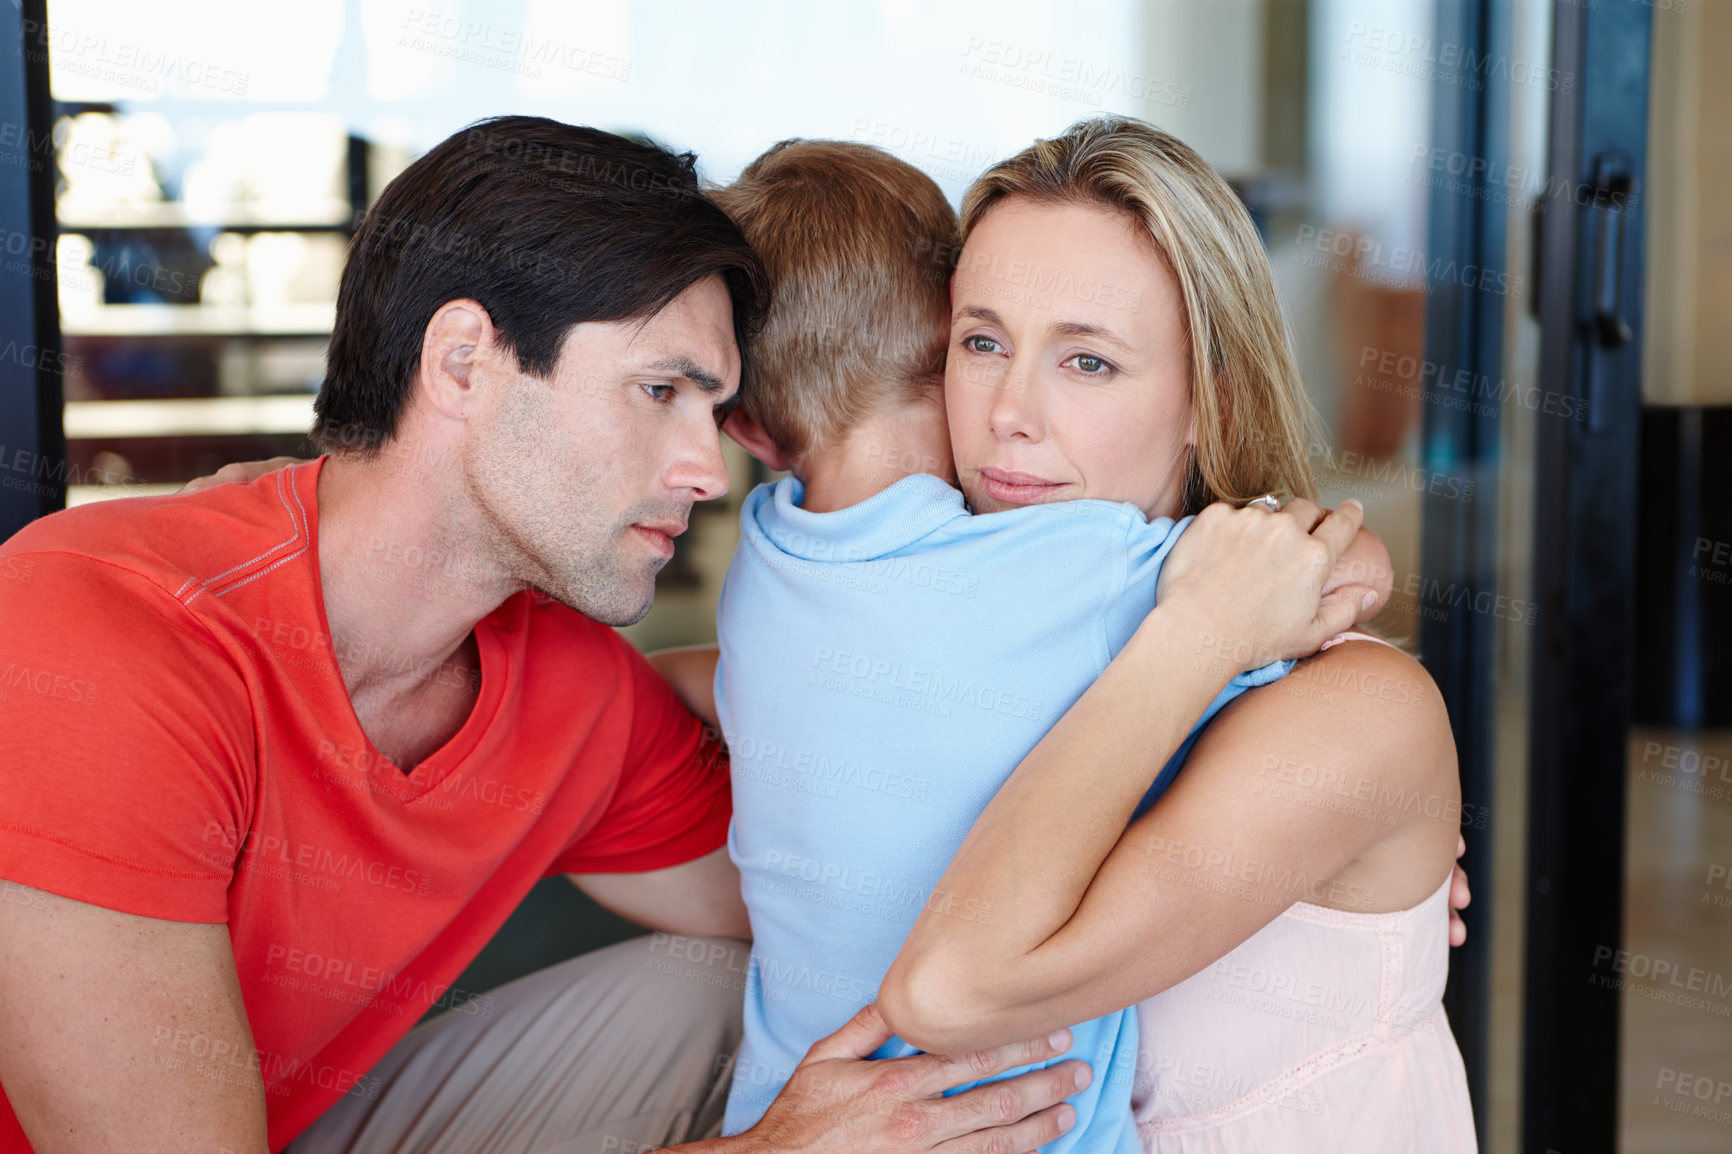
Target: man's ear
x,y
750,436
451,347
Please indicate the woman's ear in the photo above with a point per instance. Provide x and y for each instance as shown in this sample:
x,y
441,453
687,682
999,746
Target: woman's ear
x,y
750,436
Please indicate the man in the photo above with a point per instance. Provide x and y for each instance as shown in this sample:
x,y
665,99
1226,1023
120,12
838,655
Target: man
x,y
282,756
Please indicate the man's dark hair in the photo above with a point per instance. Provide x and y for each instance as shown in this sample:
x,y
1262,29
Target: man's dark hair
x,y
546,225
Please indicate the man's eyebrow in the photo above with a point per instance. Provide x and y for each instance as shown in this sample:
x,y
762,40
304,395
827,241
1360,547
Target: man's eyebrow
x,y
691,371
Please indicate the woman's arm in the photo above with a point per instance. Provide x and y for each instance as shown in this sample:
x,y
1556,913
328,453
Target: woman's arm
x,y
1298,791
691,671
1241,589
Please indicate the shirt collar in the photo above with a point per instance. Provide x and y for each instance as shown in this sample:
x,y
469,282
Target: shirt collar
x,y
886,522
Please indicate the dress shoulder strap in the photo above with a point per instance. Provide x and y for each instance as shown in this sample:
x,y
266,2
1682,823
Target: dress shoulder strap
x,y
1354,635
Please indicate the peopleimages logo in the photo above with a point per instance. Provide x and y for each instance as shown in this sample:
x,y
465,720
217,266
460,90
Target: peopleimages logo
x,y
267,849
928,686
1412,54
1348,466
1370,259
1476,391
47,683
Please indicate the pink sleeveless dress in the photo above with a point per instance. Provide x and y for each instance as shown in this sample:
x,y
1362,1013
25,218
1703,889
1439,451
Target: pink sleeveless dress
x,y
1324,1032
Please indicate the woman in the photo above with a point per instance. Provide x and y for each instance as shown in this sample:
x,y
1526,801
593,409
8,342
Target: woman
x,y
1278,916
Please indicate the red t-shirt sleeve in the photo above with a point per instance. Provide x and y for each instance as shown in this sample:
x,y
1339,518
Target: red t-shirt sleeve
x,y
127,731
672,803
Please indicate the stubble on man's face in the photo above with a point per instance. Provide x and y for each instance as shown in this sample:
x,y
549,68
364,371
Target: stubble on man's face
x,y
565,467
561,504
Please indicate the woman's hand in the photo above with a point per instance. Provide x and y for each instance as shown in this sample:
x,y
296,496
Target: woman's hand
x,y
239,472
1459,896
691,671
1248,582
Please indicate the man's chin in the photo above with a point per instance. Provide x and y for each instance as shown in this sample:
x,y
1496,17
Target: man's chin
x,y
615,607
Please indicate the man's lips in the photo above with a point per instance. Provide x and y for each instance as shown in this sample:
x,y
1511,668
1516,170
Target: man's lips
x,y
661,534
1016,488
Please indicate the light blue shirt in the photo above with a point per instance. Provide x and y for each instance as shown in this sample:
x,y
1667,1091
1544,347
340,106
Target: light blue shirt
x,y
884,668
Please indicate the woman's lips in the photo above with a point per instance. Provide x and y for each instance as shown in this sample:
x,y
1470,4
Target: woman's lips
x,y
1015,488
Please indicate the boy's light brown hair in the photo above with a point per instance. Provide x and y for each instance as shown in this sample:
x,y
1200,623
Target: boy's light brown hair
x,y
859,248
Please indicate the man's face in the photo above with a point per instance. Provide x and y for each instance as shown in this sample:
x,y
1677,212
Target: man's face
x,y
587,476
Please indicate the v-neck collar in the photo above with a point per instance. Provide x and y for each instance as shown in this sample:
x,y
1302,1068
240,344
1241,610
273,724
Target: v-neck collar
x,y
435,767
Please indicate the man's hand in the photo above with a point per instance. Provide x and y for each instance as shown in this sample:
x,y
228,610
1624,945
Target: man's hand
x,y
239,472
835,1101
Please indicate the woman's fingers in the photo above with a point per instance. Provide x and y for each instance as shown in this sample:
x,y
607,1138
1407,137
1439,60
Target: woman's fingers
x,y
1338,528
1256,578
1459,897
1307,513
238,472
227,475
1336,613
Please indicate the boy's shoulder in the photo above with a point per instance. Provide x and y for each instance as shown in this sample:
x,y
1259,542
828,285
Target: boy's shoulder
x,y
922,513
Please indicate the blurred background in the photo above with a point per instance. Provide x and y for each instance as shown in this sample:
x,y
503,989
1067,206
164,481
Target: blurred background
x,y
1502,236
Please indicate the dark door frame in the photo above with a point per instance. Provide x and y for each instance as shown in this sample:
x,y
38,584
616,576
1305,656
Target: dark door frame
x,y
1592,259
1464,331
33,469
1588,283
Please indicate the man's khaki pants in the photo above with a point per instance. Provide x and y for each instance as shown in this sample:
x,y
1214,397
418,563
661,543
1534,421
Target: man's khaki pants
x,y
624,1049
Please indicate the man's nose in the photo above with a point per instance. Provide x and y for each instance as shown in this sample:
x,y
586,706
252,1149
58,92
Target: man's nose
x,y
700,465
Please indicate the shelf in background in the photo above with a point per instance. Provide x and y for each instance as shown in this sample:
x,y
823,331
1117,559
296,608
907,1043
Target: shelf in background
x,y
171,214
159,320
193,417
84,494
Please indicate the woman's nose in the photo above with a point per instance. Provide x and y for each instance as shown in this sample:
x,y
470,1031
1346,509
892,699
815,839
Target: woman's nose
x,y
1016,405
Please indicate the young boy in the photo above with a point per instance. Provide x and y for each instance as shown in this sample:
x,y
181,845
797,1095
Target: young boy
x,y
886,659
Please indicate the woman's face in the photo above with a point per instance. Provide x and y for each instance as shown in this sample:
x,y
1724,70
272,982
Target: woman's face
x,y
1068,374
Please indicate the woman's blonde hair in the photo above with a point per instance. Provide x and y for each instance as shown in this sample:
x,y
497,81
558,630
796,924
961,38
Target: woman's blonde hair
x,y
1255,425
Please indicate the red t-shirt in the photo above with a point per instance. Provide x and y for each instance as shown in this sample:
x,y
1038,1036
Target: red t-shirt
x,y
180,745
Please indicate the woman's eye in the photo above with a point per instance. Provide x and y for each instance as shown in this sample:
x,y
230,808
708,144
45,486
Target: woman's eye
x,y
662,397
980,344
1092,366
